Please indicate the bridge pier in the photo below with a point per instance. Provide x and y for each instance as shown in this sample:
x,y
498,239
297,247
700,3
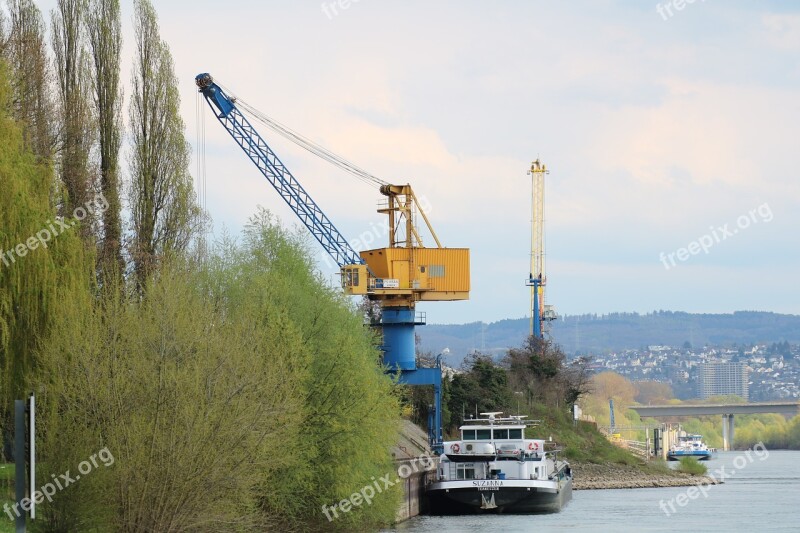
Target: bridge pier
x,y
727,432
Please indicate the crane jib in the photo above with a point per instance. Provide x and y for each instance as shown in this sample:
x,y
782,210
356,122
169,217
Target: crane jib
x,y
277,174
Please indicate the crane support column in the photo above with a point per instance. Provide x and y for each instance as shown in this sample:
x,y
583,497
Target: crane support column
x,y
429,376
536,312
399,347
398,338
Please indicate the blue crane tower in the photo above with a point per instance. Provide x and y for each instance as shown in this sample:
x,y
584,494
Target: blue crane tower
x,y
396,276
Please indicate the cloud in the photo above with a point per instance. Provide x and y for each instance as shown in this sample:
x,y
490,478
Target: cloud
x,y
782,31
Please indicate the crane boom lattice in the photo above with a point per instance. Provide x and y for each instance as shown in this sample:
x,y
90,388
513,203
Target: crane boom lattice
x,y
278,175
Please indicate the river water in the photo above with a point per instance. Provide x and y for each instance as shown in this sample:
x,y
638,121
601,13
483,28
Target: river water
x,y
762,494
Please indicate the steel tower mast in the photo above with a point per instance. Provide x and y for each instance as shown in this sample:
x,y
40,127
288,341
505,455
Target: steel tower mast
x,y
540,313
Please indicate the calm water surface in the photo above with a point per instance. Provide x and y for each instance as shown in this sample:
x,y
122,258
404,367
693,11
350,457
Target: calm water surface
x,y
762,496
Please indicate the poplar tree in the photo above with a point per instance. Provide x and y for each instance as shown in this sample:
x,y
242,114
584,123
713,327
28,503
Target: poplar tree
x,y
25,52
105,40
74,139
164,212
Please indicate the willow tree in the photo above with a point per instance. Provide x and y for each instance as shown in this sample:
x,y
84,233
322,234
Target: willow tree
x,y
164,213
37,264
25,52
105,40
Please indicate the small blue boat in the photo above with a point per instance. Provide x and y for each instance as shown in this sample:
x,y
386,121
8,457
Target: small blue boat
x,y
690,446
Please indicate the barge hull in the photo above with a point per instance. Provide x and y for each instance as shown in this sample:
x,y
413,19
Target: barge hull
x,y
505,500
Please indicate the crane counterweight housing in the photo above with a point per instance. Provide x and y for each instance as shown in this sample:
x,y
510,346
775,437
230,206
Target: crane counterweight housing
x,y
427,274
397,276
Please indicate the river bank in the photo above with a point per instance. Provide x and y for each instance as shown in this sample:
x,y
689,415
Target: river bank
x,y
590,476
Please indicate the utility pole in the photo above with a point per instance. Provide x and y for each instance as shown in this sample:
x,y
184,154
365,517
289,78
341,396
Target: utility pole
x,y
19,460
25,471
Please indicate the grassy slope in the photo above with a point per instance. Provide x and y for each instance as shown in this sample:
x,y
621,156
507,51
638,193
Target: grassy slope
x,y
580,443
6,496
585,444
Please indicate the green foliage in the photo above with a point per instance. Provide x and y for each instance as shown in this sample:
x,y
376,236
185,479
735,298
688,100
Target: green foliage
x,y
482,387
539,372
33,279
607,385
492,388
105,41
75,128
692,466
179,394
24,50
164,213
581,442
653,392
240,394
352,409
6,493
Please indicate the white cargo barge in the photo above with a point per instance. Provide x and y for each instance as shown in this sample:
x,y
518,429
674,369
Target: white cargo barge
x,y
495,469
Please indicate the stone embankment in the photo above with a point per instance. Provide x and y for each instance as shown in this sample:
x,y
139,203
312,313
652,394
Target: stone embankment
x,y
616,476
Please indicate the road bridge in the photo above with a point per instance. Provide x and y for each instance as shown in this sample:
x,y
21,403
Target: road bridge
x,y
726,410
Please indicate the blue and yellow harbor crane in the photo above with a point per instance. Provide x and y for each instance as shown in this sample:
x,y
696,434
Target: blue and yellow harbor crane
x,y
397,276
540,312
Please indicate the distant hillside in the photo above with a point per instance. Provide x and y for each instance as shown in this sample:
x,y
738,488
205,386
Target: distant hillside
x,y
616,331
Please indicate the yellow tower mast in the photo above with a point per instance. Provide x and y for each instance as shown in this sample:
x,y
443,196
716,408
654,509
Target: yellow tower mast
x,y
536,279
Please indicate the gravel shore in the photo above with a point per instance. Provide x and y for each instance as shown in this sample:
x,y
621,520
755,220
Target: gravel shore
x,y
616,476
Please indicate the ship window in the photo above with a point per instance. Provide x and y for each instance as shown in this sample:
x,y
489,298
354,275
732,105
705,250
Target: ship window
x,y
515,433
465,471
484,434
501,434
468,434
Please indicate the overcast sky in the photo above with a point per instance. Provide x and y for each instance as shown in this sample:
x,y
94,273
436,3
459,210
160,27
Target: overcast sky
x,y
662,127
